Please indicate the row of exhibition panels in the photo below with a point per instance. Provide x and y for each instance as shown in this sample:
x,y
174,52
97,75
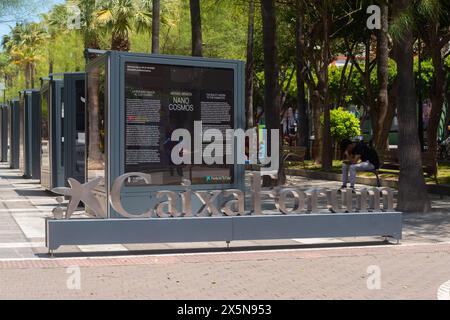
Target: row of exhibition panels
x,y
43,131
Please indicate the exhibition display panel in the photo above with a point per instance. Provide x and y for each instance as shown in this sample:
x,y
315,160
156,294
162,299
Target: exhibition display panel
x,y
4,143
14,133
22,163
30,134
146,112
52,140
74,124
134,104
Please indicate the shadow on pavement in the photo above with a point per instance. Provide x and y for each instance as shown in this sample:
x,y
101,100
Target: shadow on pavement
x,y
241,249
428,225
34,193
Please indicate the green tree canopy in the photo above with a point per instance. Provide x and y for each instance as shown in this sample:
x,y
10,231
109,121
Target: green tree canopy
x,y
344,125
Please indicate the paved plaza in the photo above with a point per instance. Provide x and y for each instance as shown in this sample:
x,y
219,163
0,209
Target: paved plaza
x,y
290,269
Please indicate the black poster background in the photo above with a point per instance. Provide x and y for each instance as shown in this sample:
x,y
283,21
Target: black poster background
x,y
176,93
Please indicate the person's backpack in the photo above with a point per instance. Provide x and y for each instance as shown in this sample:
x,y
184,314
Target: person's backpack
x,y
373,155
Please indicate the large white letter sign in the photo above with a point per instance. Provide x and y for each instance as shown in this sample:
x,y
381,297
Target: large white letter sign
x,y
116,200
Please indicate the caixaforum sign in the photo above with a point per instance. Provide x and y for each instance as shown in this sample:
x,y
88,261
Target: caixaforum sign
x,y
286,201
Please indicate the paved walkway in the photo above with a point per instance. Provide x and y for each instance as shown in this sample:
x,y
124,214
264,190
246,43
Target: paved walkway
x,y
306,268
388,272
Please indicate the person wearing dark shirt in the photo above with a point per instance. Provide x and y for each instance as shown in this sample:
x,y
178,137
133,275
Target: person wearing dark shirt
x,y
359,157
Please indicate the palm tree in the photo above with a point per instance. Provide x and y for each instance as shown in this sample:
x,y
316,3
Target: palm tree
x,y
196,23
89,23
56,22
24,48
120,16
413,195
90,31
156,24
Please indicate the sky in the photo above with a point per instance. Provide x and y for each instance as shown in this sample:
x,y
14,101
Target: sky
x,y
43,7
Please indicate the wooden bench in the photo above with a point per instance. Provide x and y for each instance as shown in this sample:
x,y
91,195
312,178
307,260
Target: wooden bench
x,y
392,162
294,153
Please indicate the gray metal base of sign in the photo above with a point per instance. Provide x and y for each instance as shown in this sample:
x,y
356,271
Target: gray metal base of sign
x,y
227,229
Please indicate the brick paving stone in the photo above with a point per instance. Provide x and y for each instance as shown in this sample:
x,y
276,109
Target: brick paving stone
x,y
407,272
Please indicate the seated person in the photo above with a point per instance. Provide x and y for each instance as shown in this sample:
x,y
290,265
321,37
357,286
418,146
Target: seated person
x,y
359,157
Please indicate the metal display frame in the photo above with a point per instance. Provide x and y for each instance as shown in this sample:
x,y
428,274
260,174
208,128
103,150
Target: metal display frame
x,y
115,229
138,197
53,176
32,134
71,149
4,133
23,163
14,134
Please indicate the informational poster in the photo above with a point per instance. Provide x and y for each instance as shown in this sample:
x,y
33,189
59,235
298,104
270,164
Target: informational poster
x,y
160,99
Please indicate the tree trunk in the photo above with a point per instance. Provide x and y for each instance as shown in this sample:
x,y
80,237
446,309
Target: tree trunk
x,y
327,151
120,41
437,100
249,81
32,74
196,23
379,135
447,121
156,25
27,75
302,107
387,124
95,155
50,63
316,107
413,195
271,106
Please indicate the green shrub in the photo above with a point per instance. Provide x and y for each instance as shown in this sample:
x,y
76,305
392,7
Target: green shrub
x,y
344,125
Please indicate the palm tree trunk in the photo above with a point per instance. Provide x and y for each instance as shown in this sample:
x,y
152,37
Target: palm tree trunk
x,y
120,41
413,195
32,74
156,25
302,107
196,23
95,155
26,72
51,61
249,81
271,105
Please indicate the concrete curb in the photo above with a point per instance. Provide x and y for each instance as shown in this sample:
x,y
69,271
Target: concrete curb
x,y
434,189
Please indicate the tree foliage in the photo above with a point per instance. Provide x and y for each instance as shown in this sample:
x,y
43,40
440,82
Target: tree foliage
x,y
344,125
